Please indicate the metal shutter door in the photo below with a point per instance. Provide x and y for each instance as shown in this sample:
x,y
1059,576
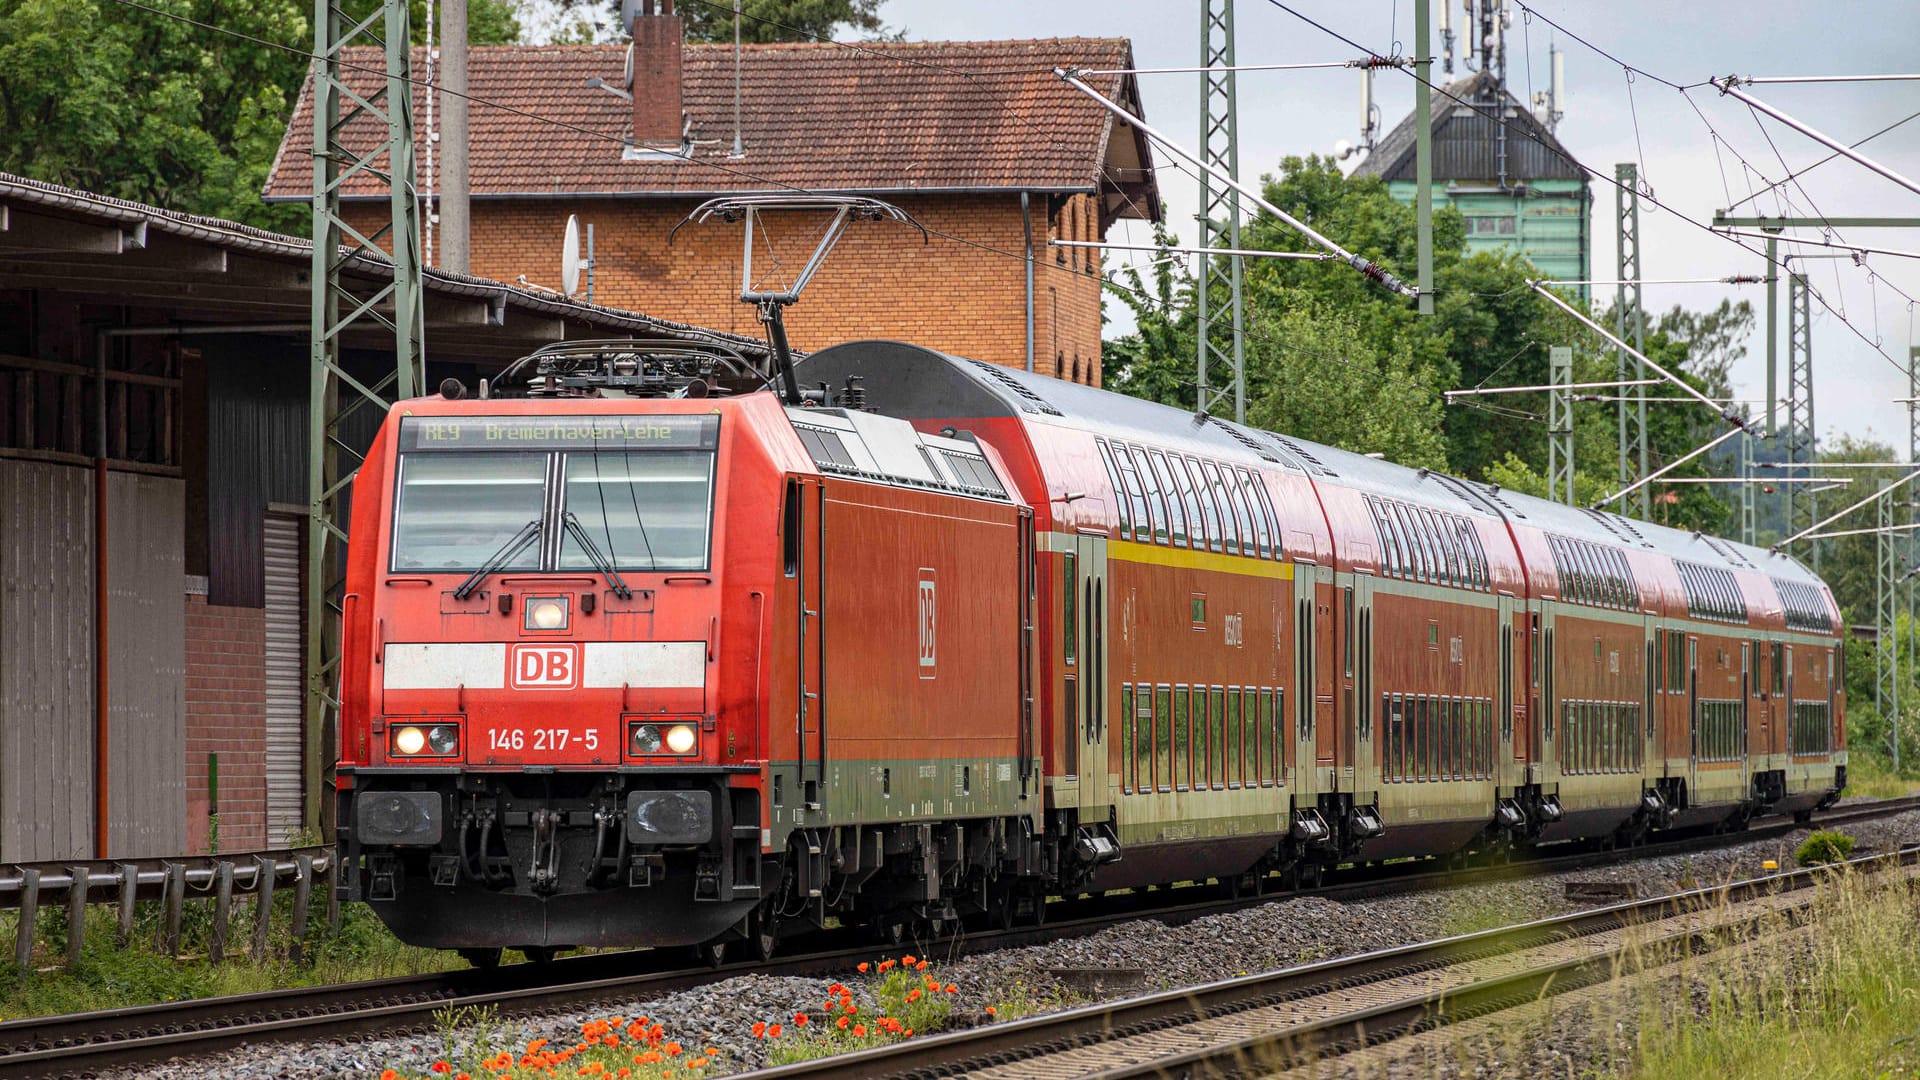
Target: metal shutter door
x,y
285,696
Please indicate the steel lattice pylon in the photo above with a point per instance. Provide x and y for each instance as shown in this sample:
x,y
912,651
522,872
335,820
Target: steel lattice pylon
x,y
1560,425
1886,682
1219,348
1746,489
1630,325
1800,440
395,308
1907,570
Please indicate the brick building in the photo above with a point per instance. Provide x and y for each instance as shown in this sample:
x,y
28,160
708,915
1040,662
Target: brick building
x,y
979,141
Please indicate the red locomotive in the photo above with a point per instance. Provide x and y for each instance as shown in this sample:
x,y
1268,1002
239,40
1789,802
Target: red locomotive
x,y
647,655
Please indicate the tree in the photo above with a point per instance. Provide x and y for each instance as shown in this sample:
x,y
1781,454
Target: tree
x,y
134,104
761,21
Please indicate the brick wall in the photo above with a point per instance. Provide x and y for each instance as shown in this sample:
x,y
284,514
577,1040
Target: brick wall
x,y
952,293
226,715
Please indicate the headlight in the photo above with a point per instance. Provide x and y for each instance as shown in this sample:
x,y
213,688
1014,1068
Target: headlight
x,y
429,740
546,613
680,738
646,739
410,740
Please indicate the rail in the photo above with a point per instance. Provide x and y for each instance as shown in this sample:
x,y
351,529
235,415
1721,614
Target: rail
x,y
82,1043
214,879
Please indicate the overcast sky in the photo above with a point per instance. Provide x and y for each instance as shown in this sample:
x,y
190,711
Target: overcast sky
x,y
1284,113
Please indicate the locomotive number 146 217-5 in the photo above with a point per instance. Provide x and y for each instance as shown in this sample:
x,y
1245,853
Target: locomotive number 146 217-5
x,y
542,739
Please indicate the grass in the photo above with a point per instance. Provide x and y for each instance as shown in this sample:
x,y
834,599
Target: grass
x,y
1872,776
112,976
1843,1001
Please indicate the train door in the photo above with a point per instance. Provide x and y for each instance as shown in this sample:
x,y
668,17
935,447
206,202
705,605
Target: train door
x,y
1650,765
1545,769
1503,696
806,509
1693,714
1311,779
1329,745
1362,711
1091,704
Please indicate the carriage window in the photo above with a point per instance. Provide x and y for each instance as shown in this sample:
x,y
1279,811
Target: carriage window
x,y
1234,757
1126,737
1200,507
1136,493
1163,736
1182,728
455,510
1235,521
1176,511
1189,501
1217,737
1155,495
1120,501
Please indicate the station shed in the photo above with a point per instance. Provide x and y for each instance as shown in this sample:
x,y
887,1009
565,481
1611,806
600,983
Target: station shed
x,y
154,386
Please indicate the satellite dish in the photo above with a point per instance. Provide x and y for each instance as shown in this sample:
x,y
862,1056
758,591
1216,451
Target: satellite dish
x,y
626,77
570,262
629,10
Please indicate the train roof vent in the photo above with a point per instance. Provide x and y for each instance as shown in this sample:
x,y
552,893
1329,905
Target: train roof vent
x,y
1727,551
1616,525
1244,439
826,447
1031,401
1302,453
1492,491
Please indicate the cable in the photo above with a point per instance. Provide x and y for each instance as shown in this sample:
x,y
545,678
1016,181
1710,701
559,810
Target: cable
x,y
564,125
1596,174
1795,175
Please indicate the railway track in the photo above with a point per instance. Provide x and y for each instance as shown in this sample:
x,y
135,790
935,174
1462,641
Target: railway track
x,y
1270,1023
84,1043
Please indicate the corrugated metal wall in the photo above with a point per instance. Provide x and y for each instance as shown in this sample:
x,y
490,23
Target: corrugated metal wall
x,y
286,700
46,662
147,665
256,454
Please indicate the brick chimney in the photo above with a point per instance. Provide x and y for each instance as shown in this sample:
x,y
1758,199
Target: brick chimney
x,y
658,118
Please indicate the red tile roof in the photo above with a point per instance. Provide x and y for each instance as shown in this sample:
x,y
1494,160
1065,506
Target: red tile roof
x,y
879,117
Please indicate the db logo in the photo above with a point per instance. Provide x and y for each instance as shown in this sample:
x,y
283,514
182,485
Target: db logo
x,y
543,667
929,613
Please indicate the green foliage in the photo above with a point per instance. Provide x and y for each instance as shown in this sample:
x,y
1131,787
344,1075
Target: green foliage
x,y
1824,846
1333,358
782,20
131,103
112,976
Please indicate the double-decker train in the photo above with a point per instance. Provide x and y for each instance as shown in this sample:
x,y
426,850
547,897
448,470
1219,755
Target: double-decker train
x,y
650,654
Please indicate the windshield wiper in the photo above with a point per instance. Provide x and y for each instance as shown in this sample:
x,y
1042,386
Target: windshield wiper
x,y
599,560
499,558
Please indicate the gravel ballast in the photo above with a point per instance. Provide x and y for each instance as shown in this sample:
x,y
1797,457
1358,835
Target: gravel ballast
x,y
1279,934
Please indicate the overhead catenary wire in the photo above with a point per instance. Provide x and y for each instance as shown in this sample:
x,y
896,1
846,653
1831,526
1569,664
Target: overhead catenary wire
x,y
1831,518
1856,248
1366,62
1727,87
1756,80
1669,467
1731,417
1481,391
1251,253
1596,174
1366,267
733,170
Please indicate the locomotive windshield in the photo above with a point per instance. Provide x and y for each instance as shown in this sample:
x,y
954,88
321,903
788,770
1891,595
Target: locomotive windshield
x,y
640,487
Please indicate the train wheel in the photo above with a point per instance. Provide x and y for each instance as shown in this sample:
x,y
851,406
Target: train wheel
x,y
763,935
999,909
711,953
540,954
1801,817
484,959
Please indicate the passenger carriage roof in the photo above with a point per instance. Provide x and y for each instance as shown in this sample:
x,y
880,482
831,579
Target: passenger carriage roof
x,y
915,382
